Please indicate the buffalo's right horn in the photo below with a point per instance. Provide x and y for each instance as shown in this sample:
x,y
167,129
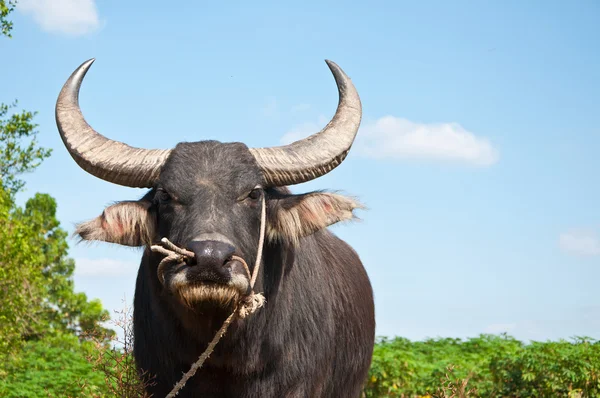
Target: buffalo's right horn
x,y
320,153
110,160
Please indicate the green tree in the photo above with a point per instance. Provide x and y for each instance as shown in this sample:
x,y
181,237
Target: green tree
x,y
49,333
6,7
17,156
37,295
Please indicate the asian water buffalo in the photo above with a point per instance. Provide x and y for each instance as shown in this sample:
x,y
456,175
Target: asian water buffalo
x,y
315,334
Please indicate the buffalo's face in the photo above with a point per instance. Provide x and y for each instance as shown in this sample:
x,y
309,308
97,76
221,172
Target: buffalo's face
x,y
208,200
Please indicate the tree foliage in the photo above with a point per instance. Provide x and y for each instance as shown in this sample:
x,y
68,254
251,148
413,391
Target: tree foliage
x,y
19,149
6,7
37,295
44,323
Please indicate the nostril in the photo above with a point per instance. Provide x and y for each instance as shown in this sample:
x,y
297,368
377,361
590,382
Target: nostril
x,y
190,261
211,253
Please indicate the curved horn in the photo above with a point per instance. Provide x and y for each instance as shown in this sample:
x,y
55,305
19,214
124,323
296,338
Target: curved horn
x,y
110,160
320,153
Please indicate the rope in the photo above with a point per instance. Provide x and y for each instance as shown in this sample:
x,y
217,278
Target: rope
x,y
246,306
196,365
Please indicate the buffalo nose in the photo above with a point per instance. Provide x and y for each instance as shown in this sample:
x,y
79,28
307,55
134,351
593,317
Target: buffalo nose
x,y
211,253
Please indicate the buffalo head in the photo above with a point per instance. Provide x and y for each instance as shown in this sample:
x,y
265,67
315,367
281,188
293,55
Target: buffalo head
x,y
206,196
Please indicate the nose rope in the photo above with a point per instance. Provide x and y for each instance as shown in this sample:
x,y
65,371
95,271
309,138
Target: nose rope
x,y
247,305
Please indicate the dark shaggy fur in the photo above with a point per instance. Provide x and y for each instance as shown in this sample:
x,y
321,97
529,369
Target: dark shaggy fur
x,y
313,338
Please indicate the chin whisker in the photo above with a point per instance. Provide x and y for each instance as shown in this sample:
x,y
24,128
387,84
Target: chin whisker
x,y
222,295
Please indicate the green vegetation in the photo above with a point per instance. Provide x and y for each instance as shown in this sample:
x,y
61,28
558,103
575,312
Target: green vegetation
x,y
493,366
17,156
6,7
55,366
49,333
37,296
65,365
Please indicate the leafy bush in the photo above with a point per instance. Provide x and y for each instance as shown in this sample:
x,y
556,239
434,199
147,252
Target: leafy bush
x,y
551,369
492,366
402,368
64,365
53,367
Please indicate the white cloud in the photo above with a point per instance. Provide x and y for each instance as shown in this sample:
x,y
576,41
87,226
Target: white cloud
x,y
580,242
396,138
72,17
392,137
86,267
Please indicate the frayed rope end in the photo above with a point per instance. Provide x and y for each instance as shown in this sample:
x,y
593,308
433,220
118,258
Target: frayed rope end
x,y
250,304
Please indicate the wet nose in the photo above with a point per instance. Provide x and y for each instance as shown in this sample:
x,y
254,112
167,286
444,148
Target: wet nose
x,y
211,253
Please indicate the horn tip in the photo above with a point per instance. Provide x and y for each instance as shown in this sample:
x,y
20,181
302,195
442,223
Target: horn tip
x,y
89,62
85,65
336,70
330,63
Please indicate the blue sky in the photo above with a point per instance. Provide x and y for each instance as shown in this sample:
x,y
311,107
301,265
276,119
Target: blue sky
x,y
477,156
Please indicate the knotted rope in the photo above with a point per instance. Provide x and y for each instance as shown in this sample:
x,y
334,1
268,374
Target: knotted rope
x,y
247,304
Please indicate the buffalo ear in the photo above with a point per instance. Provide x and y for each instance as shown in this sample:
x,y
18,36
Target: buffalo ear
x,y
292,217
129,223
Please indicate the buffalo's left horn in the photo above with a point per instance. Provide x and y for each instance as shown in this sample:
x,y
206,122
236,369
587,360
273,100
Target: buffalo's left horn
x,y
320,153
110,160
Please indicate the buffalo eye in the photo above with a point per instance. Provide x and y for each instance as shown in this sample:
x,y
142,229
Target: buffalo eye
x,y
162,196
255,194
